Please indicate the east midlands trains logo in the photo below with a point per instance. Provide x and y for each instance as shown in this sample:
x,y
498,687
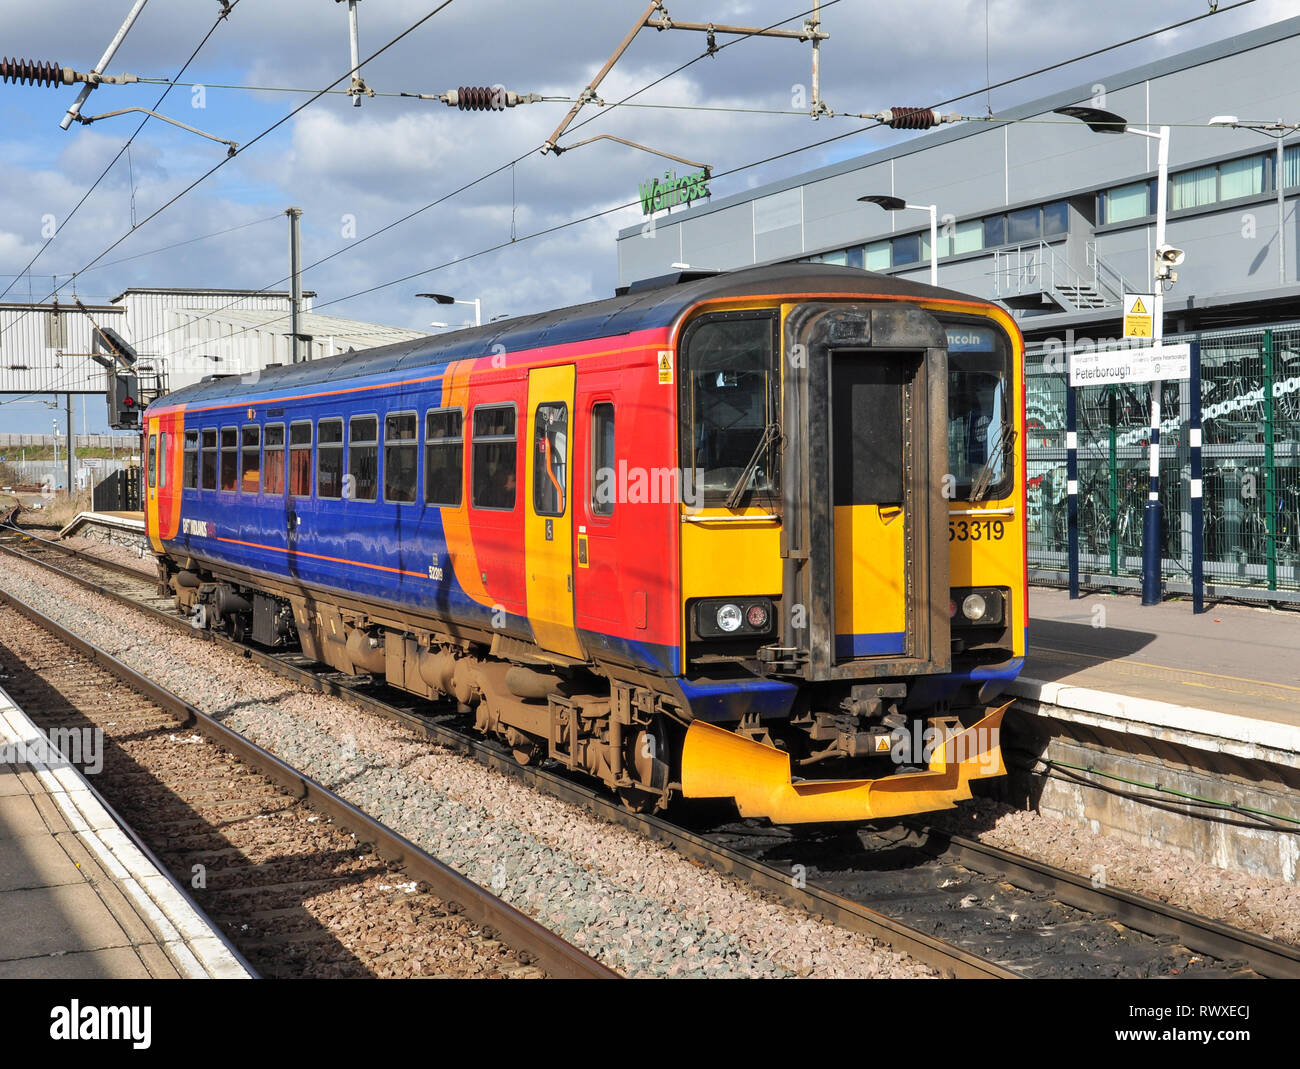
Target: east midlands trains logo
x,y
202,528
665,192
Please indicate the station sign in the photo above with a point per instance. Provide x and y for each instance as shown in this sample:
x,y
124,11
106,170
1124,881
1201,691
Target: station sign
x,y
1147,363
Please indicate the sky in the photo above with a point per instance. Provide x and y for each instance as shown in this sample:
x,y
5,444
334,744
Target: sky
x,y
356,170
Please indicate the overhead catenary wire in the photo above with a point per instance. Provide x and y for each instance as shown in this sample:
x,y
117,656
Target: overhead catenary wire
x,y
95,184
769,159
721,174
249,144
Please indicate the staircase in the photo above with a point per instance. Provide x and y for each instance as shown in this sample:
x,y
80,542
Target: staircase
x,y
1034,276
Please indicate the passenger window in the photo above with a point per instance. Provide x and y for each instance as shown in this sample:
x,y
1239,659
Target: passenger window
x,y
401,457
329,458
250,471
550,445
495,457
444,457
603,485
273,459
151,462
363,457
210,458
229,458
190,478
300,459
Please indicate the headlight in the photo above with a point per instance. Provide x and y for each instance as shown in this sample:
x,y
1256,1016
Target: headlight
x,y
973,607
729,618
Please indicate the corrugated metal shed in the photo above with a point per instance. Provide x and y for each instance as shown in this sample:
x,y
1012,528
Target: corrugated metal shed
x,y
237,342
45,348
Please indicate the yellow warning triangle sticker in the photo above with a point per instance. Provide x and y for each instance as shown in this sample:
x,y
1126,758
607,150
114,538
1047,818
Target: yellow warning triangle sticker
x,y
665,362
1138,308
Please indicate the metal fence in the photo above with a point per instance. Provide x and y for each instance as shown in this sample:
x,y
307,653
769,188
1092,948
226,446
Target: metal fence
x,y
1250,409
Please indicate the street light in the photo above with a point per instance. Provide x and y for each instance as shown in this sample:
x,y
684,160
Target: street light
x,y
1165,259
897,204
445,298
1277,131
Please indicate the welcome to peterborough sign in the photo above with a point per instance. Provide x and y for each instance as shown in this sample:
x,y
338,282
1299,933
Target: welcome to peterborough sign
x,y
1146,363
660,193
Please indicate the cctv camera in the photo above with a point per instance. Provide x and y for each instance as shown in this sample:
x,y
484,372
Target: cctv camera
x,y
1167,254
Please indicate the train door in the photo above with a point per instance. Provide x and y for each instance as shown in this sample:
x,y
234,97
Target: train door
x,y
152,466
871,484
548,512
863,539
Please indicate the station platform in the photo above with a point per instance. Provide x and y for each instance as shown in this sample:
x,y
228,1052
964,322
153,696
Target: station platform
x,y
1227,679
78,898
130,522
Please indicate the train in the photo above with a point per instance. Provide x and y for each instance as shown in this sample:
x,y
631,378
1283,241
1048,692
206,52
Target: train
x,y
756,535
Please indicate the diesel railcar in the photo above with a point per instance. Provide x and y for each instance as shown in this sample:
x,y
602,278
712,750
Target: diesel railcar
x,y
757,535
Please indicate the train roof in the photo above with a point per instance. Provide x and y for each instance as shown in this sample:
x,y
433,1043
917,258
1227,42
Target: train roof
x,y
641,306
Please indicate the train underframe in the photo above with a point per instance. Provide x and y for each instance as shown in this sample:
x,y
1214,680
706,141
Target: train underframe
x,y
872,754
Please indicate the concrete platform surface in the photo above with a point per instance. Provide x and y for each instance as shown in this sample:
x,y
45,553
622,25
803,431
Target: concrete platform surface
x,y
78,899
1232,659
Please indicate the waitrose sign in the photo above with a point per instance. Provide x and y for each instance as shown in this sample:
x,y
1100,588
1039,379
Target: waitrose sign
x,y
660,193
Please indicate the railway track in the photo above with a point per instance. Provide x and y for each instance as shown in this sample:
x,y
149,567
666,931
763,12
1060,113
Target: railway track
x,y
962,907
299,881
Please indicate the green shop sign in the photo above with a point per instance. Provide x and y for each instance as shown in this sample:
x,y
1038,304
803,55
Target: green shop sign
x,y
660,193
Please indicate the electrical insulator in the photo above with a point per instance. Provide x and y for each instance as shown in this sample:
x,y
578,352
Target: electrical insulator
x,y
486,98
911,118
34,72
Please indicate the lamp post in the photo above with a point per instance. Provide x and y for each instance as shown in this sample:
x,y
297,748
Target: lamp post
x,y
1107,122
897,204
446,298
1277,131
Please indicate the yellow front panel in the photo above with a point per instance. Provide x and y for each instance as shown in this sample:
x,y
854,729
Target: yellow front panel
x,y
870,580
549,560
719,548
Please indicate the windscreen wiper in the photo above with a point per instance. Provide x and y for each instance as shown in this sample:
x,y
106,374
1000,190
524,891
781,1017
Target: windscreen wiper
x,y
770,434
1000,455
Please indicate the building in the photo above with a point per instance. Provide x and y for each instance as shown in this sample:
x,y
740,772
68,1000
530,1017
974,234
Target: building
x,y
180,336
1042,214
1057,223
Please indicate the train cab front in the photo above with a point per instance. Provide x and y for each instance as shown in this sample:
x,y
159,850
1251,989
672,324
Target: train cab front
x,y
853,562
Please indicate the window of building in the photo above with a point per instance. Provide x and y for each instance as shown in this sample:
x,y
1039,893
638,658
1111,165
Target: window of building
x,y
401,457
190,477
1191,189
494,457
444,457
550,459
329,458
273,459
300,458
854,257
1024,224
604,476
1122,203
1056,219
230,458
210,458
250,463
878,256
363,457
1291,166
907,249
1241,178
995,230
967,237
